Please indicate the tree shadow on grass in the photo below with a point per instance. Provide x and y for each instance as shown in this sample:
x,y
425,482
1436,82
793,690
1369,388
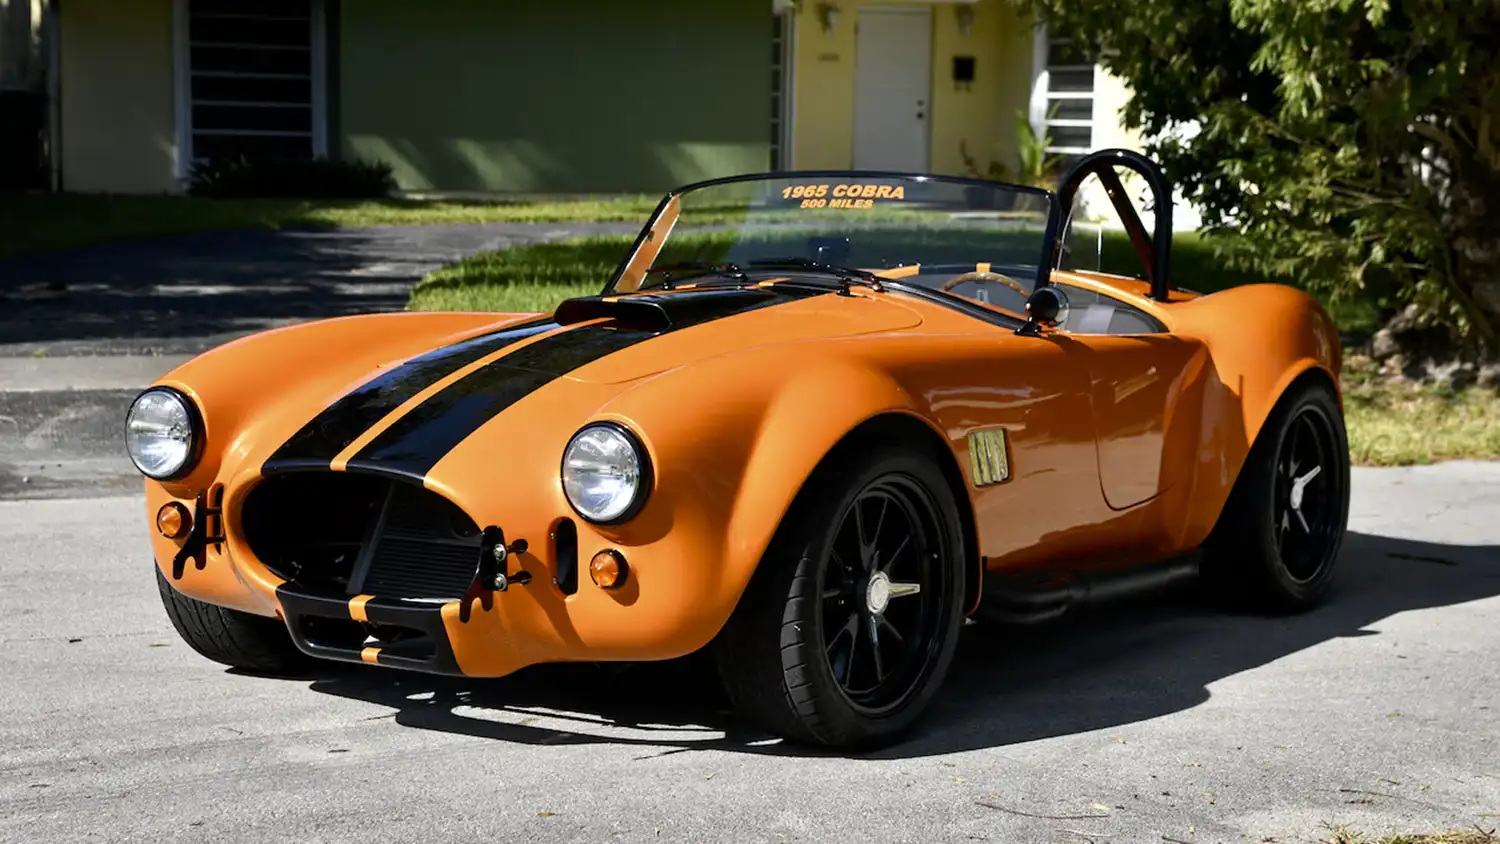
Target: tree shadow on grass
x,y
1102,669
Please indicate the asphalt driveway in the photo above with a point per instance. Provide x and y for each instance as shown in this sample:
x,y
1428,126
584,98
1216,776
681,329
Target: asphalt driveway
x,y
1148,723
183,295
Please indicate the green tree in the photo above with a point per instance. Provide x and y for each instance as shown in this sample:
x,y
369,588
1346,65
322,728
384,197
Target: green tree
x,y
1354,143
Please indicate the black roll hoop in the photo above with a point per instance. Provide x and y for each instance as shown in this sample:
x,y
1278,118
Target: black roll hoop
x,y
1155,252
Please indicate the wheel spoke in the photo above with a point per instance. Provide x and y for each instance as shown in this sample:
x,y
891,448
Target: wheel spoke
x,y
832,593
1305,529
891,630
873,628
1294,454
866,549
885,504
851,628
891,560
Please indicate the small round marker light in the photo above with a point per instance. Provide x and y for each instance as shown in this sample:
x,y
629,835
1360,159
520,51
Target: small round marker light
x,y
173,520
608,569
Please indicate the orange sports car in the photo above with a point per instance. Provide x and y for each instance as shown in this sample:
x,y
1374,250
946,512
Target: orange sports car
x,y
813,422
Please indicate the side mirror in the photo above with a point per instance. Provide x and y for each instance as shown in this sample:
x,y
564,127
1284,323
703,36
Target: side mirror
x,y
1047,307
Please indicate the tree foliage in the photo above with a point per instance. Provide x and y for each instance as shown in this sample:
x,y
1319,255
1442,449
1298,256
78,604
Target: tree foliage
x,y
1355,144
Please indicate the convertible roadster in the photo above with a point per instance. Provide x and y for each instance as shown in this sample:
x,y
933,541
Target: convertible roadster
x,y
813,422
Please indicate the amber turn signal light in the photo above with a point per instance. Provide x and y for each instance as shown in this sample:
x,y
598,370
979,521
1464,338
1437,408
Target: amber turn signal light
x,y
173,520
608,569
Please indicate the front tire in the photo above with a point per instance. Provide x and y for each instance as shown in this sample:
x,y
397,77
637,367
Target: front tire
x,y
849,625
230,637
1278,538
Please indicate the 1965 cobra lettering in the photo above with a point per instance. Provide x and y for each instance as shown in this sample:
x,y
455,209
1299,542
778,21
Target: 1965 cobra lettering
x,y
810,444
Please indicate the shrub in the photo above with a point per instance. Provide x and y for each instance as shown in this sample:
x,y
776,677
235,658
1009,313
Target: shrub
x,y
241,177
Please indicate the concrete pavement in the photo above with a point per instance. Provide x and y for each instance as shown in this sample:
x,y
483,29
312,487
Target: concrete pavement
x,y
1145,723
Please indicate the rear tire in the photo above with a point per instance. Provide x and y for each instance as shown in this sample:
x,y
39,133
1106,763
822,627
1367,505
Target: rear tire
x,y
230,637
798,656
1277,540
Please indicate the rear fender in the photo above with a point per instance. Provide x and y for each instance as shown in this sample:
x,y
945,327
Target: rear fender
x,y
1260,338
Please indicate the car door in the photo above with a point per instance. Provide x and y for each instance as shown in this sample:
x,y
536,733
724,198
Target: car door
x,y
1136,371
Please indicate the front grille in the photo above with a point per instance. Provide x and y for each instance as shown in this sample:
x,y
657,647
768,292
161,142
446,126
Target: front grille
x,y
427,548
359,534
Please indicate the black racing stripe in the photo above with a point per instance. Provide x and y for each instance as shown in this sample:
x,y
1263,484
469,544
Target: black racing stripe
x,y
415,443
334,429
421,438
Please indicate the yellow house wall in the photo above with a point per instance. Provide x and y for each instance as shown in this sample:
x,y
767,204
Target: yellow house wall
x,y
982,118
118,124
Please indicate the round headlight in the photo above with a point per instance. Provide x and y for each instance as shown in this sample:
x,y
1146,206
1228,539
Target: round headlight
x,y
161,433
605,473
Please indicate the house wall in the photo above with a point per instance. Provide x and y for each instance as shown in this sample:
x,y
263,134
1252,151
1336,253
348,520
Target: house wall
x,y
591,95
118,126
981,118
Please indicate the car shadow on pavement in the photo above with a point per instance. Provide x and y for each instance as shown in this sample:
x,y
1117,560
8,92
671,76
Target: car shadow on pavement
x,y
1101,668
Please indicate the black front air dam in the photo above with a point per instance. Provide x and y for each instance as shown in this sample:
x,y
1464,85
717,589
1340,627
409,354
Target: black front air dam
x,y
323,626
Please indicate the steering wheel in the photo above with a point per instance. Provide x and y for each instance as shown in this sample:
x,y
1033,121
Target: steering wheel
x,y
985,276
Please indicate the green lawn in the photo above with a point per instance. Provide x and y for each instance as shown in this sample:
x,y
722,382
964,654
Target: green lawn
x,y
45,222
537,277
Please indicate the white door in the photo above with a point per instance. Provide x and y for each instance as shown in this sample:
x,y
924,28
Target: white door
x,y
892,88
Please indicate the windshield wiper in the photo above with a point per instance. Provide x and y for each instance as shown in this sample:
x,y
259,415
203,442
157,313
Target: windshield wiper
x,y
731,271
847,275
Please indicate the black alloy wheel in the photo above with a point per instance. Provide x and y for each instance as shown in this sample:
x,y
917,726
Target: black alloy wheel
x,y
881,603
1306,499
1278,537
849,625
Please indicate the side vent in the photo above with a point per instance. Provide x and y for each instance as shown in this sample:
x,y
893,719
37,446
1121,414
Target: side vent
x,y
989,462
565,553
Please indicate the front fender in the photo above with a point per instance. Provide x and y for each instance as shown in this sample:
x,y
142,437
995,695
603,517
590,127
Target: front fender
x,y
729,471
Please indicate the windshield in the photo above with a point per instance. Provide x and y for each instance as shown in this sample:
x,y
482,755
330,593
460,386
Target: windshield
x,y
977,240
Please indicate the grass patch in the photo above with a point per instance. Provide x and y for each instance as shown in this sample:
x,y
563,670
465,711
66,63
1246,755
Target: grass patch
x,y
1401,424
526,278
46,222
1457,836
541,275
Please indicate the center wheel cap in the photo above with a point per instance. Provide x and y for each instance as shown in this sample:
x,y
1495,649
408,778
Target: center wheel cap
x,y
878,593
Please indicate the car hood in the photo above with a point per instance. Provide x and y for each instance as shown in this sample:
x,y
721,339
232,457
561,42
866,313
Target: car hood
x,y
597,344
686,326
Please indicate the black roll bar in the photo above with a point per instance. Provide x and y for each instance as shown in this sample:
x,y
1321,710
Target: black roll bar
x,y
1155,252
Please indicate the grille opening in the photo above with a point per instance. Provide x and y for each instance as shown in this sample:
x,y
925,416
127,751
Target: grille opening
x,y
362,534
311,527
565,555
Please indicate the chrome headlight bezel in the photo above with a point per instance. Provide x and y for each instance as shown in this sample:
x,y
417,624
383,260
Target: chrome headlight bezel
x,y
195,434
644,471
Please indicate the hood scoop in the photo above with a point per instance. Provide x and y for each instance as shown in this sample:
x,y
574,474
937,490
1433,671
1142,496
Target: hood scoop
x,y
668,310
